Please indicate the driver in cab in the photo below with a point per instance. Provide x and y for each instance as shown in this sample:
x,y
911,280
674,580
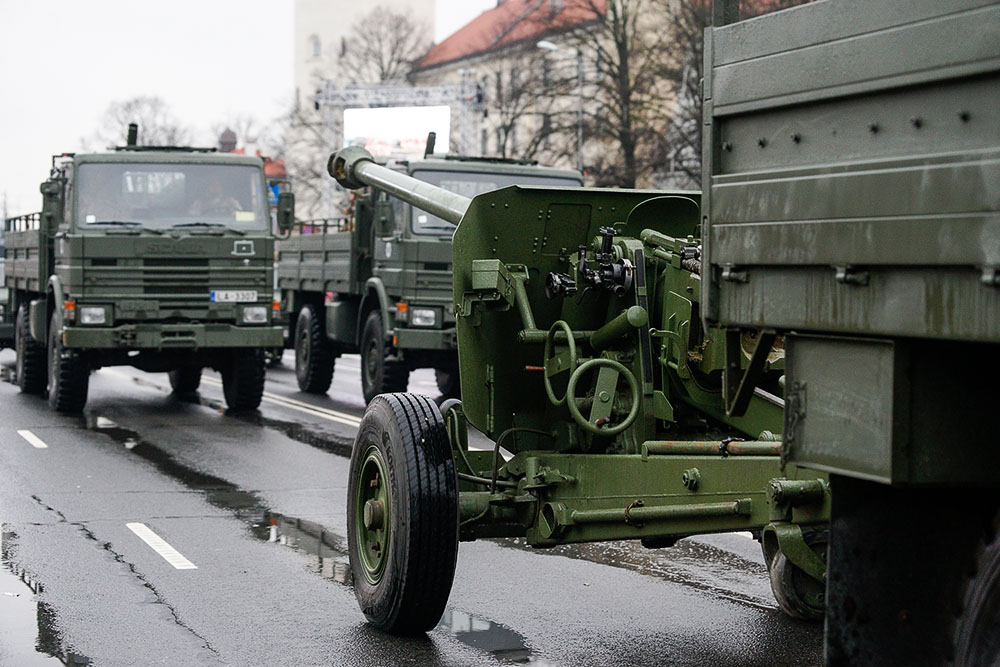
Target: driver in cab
x,y
214,202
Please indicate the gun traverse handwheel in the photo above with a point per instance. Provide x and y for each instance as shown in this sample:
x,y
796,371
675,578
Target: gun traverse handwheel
x,y
556,364
605,391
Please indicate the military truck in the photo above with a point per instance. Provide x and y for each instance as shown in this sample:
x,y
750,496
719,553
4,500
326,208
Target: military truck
x,y
379,281
582,355
154,257
6,322
853,206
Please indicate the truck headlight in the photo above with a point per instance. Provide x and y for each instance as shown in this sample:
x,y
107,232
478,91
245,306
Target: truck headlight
x,y
255,315
423,317
93,314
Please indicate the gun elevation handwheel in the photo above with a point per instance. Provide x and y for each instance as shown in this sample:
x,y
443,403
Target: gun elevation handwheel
x,y
556,364
605,392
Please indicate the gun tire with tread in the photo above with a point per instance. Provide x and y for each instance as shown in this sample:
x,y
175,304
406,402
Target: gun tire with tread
x,y
403,563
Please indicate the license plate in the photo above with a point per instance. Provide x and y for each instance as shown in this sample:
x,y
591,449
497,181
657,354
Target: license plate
x,y
233,296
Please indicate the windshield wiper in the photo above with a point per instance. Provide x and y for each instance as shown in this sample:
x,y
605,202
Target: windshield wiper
x,y
131,224
210,225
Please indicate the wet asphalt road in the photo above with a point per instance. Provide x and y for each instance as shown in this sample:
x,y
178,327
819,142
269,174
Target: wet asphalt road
x,y
254,510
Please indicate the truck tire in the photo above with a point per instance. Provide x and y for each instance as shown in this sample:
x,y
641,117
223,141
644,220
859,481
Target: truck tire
x,y
379,375
30,370
977,641
314,357
402,509
69,375
243,380
185,380
447,382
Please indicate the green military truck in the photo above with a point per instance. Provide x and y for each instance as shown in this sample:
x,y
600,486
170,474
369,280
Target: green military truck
x,y
152,257
379,282
853,204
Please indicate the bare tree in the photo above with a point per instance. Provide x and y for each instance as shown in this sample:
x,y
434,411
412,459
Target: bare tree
x,y
679,149
301,144
157,124
525,105
382,46
628,106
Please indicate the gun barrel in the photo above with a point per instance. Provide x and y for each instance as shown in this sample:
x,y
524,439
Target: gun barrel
x,y
354,167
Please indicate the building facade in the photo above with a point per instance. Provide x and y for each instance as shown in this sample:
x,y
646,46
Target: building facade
x,y
321,31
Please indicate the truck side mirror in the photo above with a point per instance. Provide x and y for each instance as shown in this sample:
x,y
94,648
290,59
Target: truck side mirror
x,y
52,204
385,219
286,212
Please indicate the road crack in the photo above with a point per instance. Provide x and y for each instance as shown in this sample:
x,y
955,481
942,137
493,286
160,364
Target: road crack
x,y
119,558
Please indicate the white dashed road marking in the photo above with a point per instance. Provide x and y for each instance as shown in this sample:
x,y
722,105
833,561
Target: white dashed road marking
x,y
160,546
315,410
35,441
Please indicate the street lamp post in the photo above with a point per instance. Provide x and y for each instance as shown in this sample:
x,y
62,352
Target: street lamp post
x,y
549,46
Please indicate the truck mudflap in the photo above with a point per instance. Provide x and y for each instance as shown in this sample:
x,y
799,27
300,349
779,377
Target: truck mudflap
x,y
426,339
171,336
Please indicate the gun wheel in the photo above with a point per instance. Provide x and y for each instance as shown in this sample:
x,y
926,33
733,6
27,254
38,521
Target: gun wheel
x,y
402,509
799,595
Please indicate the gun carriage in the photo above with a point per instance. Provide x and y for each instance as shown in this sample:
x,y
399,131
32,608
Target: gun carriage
x,y
582,356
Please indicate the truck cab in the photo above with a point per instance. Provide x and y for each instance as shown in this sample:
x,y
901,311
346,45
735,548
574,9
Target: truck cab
x,y
157,258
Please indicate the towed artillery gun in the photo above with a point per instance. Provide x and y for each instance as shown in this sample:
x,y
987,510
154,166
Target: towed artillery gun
x,y
581,354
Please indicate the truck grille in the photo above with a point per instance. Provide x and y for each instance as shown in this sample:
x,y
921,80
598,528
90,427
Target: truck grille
x,y
174,284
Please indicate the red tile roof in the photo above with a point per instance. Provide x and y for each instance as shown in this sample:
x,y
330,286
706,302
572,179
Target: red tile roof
x,y
511,22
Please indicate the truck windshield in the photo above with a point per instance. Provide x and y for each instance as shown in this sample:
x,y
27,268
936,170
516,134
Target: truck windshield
x,y
469,184
161,196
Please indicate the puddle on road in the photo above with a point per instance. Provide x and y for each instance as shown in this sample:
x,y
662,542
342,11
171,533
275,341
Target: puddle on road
x,y
686,563
325,551
29,633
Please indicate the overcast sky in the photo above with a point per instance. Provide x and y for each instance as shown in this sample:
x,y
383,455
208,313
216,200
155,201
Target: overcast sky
x,y
62,62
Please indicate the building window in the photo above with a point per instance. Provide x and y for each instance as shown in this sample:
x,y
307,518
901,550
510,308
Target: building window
x,y
484,148
546,131
315,47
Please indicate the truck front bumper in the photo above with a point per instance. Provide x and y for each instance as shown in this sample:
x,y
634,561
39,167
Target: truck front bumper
x,y
171,336
426,339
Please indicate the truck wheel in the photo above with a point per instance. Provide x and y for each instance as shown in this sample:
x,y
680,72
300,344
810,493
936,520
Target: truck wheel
x,y
69,376
314,358
185,380
30,371
799,595
379,375
447,382
402,509
977,641
243,380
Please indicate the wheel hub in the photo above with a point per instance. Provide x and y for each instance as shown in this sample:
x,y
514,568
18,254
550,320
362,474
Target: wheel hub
x,y
372,518
374,514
